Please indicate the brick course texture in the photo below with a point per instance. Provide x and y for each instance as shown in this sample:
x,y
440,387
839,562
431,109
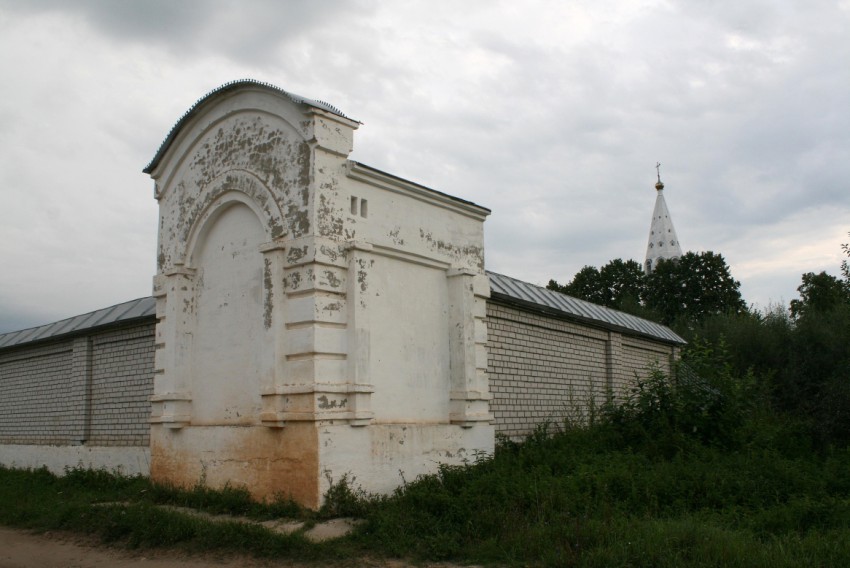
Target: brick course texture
x,y
92,389
639,355
548,370
35,406
121,387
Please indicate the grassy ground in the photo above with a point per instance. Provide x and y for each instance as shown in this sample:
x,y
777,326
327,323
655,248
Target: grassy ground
x,y
580,498
573,500
123,511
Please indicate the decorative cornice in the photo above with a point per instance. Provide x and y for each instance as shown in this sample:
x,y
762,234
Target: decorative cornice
x,y
230,87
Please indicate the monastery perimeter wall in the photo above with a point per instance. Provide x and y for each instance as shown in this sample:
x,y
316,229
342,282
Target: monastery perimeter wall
x,y
83,400
544,369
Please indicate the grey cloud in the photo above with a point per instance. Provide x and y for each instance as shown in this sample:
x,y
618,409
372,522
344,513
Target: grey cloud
x,y
127,18
250,31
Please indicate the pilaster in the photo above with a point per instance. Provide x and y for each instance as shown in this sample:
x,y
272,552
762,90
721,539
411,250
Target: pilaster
x,y
359,385
316,378
273,392
82,377
613,364
470,395
171,403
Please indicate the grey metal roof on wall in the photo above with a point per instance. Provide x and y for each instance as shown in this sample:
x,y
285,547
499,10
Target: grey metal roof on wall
x,y
134,309
561,304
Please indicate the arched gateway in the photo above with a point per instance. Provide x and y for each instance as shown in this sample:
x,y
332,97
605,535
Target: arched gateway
x,y
316,317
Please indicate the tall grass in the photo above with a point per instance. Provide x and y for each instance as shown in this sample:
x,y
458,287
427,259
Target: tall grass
x,y
694,469
584,498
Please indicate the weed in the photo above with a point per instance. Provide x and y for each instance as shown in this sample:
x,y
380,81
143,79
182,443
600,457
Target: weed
x,y
343,498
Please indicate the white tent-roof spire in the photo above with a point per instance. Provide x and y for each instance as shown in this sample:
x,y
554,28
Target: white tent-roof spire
x,y
663,242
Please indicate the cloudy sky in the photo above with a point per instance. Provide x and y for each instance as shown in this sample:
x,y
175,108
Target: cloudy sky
x,y
552,114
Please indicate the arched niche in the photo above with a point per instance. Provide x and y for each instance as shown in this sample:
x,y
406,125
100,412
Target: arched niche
x,y
231,188
255,152
229,354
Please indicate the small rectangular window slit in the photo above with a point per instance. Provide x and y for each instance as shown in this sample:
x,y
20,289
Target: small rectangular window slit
x,y
364,208
353,205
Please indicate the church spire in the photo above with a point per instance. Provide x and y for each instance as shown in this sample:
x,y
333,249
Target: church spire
x,y
663,242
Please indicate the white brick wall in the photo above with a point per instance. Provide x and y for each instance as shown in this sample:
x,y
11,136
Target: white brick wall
x,y
92,389
544,369
121,386
641,354
35,407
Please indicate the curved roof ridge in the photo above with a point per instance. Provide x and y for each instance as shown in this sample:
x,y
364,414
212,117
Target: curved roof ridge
x,y
230,85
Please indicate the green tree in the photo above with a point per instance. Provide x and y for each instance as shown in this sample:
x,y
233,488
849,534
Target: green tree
x,y
693,287
585,285
820,293
685,290
814,383
618,284
623,283
755,340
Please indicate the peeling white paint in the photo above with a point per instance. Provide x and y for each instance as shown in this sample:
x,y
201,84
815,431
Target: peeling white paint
x,y
307,302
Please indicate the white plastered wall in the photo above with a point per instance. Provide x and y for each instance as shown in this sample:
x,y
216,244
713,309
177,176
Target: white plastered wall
x,y
125,460
316,317
417,308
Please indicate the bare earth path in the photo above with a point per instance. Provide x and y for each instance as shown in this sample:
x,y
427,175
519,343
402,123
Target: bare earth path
x,y
23,549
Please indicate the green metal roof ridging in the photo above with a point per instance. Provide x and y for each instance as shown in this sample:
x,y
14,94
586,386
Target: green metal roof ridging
x,y
231,86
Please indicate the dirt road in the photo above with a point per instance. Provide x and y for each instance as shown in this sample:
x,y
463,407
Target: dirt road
x,y
23,549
